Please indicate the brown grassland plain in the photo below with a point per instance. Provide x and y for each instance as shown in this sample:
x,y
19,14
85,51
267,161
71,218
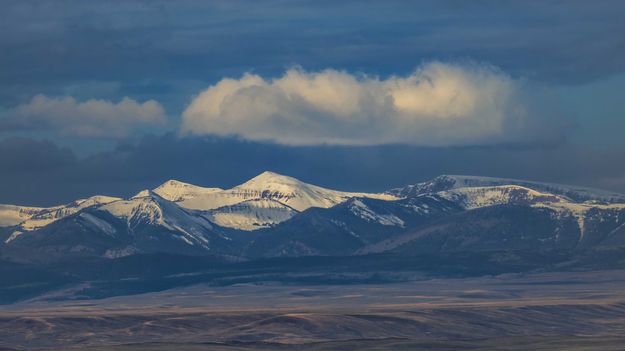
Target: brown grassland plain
x,y
548,311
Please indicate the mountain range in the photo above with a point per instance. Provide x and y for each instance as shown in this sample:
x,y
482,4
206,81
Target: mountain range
x,y
274,215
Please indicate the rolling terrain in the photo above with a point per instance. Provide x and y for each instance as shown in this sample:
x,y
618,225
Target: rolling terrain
x,y
555,311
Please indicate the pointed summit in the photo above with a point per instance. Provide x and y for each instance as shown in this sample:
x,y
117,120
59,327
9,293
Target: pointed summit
x,y
269,174
172,183
273,177
293,192
271,180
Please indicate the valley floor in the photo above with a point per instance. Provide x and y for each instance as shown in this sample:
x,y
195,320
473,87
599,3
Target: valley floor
x,y
548,311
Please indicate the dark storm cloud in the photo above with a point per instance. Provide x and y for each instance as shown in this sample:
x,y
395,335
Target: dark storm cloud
x,y
163,50
41,173
21,155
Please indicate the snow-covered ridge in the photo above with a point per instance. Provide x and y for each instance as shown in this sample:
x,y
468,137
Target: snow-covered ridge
x,y
448,182
271,198
476,197
174,190
11,215
50,215
239,207
31,218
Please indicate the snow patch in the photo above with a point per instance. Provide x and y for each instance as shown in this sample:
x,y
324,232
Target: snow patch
x,y
123,252
13,236
251,214
359,209
477,197
98,223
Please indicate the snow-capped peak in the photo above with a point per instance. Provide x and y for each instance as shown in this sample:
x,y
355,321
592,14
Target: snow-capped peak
x,y
269,185
174,190
295,193
147,204
270,180
148,208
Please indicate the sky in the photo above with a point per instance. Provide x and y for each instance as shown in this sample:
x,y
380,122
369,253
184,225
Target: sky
x,y
112,97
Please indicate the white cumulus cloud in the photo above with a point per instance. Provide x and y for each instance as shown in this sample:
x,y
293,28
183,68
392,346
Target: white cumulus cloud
x,y
438,104
91,118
